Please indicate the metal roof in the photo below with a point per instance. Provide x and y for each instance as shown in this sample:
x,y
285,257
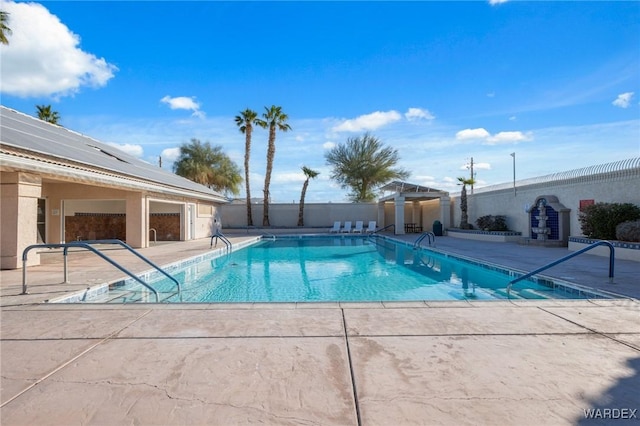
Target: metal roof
x,y
34,135
398,186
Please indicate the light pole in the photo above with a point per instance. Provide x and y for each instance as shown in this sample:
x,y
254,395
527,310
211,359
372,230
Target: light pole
x,y
513,154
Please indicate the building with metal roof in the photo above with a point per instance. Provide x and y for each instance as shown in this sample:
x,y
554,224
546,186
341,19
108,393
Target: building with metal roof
x,y
58,185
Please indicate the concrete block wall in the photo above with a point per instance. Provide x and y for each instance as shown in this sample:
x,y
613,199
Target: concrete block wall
x,y
612,187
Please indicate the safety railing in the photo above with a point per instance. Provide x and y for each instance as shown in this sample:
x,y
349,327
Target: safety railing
x,y
137,254
221,237
78,244
427,234
155,234
385,228
565,258
267,235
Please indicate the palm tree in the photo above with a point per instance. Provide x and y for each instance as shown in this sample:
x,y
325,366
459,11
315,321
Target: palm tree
x,y
245,122
310,174
362,164
45,113
464,218
208,166
4,29
275,119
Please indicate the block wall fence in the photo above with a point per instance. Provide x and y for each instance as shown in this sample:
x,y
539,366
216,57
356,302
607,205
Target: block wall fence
x,y
609,183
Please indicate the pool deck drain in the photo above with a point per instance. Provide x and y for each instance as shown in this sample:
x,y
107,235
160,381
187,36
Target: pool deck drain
x,y
501,362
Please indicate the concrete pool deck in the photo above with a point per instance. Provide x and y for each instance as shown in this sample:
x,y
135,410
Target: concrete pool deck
x,y
502,362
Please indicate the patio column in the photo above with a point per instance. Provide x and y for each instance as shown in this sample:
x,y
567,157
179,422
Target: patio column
x,y
137,212
445,212
19,217
399,206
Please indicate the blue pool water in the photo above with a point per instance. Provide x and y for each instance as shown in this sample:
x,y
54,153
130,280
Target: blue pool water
x,y
341,268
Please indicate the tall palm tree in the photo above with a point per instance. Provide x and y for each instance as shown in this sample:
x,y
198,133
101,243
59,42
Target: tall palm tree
x,y
362,164
4,29
208,166
275,119
464,218
310,174
245,122
45,113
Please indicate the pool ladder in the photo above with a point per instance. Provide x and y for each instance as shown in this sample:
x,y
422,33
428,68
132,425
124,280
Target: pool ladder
x,y
88,246
565,258
219,236
427,234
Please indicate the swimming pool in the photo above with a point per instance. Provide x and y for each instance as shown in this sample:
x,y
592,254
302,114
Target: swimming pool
x,y
342,268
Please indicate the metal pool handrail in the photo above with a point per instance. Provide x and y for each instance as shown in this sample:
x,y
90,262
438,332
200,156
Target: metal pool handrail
x,y
424,235
135,252
565,258
65,246
224,239
384,229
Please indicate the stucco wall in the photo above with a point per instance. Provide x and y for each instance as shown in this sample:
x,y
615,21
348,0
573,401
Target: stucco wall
x,y
606,188
286,215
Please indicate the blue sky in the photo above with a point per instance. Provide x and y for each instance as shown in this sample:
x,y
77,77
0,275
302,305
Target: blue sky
x,y
558,83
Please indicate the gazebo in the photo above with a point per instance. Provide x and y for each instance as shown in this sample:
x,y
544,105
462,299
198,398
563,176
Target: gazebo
x,y
403,193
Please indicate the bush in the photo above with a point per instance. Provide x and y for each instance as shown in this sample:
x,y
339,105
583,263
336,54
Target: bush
x,y
628,231
600,220
492,223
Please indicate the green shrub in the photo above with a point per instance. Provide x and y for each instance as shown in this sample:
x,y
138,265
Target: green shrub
x,y
492,223
600,220
628,231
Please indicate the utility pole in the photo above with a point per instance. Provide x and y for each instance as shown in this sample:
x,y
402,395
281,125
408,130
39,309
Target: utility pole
x,y
513,154
471,168
160,161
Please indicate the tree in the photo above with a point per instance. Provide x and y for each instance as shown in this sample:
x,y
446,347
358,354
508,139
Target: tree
x,y
363,163
464,218
245,122
45,113
310,174
4,29
275,119
208,166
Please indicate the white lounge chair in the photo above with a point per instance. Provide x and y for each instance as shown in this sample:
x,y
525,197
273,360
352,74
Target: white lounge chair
x,y
372,227
336,227
358,227
347,227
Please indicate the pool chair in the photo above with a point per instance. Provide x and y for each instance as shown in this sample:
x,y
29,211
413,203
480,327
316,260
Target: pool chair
x,y
358,227
347,227
371,228
336,227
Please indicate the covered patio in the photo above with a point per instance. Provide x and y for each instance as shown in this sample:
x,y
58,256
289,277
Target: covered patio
x,y
414,207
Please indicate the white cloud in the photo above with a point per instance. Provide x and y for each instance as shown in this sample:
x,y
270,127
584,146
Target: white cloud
x,y
494,2
184,102
43,57
288,177
170,154
513,118
131,149
329,145
414,114
509,137
623,100
371,121
479,133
